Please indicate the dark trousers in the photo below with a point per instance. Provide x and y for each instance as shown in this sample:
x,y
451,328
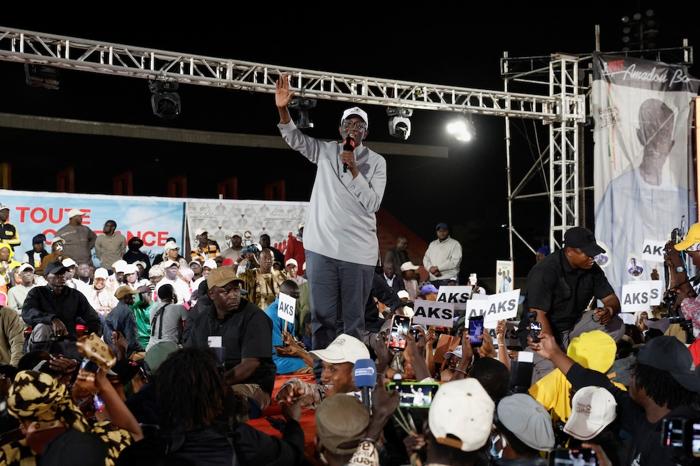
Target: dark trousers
x,y
338,294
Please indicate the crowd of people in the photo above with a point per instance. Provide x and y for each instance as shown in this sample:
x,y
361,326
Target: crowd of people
x,y
184,358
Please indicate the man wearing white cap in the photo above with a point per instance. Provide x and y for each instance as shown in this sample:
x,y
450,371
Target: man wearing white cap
x,y
459,421
100,296
292,268
409,272
182,289
206,248
338,361
79,239
340,236
18,293
110,246
207,267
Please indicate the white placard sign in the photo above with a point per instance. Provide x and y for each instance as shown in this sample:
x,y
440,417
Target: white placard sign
x,y
641,295
433,313
653,251
286,308
502,306
457,295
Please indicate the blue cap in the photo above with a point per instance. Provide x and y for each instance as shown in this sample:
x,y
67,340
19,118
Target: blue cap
x,y
428,288
441,226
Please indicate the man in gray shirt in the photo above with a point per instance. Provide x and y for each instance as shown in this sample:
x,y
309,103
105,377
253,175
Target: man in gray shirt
x,y
340,234
79,239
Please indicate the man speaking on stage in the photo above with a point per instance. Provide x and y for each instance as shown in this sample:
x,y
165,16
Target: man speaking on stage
x,y
340,234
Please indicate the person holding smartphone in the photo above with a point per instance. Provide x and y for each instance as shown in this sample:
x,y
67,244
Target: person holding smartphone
x,y
559,289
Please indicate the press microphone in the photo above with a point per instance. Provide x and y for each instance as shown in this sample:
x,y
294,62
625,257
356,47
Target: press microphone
x,y
348,146
365,377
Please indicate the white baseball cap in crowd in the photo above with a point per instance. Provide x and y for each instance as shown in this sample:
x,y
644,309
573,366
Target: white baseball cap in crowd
x,y
68,262
156,271
119,266
355,111
457,352
170,245
344,348
170,263
74,213
291,261
464,410
408,265
3,207
403,294
592,409
101,273
25,266
143,264
408,311
210,264
130,268
200,231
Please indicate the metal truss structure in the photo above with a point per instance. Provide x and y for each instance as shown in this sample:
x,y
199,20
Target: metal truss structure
x,y
562,107
560,162
137,62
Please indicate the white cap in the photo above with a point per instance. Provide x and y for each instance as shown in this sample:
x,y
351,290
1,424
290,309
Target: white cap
x,y
74,213
355,111
343,349
130,268
210,263
170,245
463,409
291,261
68,262
4,207
408,311
408,265
403,294
119,266
143,264
156,271
101,273
200,231
592,409
170,263
456,352
25,266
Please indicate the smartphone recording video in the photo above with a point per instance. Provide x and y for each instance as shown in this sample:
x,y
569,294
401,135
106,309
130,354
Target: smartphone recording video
x,y
415,394
476,331
400,327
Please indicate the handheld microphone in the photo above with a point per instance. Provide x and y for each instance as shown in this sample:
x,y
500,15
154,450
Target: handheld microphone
x,y
365,378
348,146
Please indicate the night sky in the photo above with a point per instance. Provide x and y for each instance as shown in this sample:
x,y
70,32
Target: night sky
x,y
420,43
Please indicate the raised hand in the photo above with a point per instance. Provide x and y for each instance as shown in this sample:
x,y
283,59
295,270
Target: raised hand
x,y
283,95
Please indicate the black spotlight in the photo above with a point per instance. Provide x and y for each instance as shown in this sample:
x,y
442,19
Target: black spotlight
x,y
165,100
42,76
302,105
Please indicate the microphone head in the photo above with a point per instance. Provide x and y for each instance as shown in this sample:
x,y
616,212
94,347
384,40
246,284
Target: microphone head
x,y
365,373
350,143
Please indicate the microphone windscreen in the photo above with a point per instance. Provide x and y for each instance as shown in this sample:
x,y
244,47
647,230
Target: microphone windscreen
x,y
365,373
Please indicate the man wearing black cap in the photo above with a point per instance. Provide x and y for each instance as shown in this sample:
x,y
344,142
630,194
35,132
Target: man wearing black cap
x,y
37,253
134,253
664,386
443,257
561,286
58,307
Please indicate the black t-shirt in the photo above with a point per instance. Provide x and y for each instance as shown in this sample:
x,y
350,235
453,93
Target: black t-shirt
x,y
562,292
245,333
